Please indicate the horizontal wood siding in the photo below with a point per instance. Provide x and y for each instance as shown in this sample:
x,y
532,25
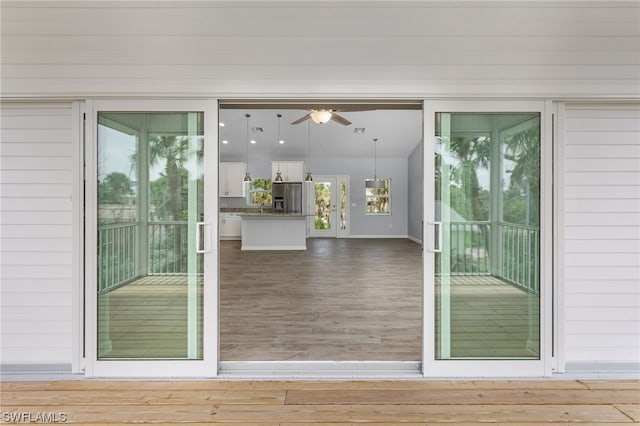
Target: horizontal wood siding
x,y
602,233
411,48
35,233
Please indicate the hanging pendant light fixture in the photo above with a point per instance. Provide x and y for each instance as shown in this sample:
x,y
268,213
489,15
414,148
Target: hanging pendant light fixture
x,y
280,141
308,178
374,183
247,175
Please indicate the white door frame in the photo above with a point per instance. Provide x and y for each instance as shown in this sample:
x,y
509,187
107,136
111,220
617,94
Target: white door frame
x,y
346,232
488,368
208,366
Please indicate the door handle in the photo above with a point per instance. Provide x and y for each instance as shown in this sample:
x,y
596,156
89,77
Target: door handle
x,y
200,228
437,228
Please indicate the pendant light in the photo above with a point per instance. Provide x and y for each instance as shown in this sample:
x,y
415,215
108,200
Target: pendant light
x,y
279,173
308,178
247,175
375,183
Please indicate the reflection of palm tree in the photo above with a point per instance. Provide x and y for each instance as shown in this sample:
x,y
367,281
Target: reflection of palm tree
x,y
472,154
523,149
173,150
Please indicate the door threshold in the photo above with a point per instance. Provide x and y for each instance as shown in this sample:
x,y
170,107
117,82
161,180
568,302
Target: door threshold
x,y
346,370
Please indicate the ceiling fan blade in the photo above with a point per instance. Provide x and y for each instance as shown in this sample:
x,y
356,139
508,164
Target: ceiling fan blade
x,y
301,119
340,119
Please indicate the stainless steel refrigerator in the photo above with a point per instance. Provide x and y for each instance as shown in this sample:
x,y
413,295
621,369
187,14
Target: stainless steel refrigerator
x,y
287,197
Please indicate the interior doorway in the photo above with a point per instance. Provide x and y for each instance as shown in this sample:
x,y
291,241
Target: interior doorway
x,y
354,298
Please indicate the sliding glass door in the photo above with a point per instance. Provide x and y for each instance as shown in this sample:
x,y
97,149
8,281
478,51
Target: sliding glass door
x,y
485,239
152,238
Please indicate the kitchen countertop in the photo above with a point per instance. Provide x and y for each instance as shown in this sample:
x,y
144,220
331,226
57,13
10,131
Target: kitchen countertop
x,y
255,212
245,210
270,216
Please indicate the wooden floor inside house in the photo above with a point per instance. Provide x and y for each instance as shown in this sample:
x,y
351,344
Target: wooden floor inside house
x,y
340,300
335,403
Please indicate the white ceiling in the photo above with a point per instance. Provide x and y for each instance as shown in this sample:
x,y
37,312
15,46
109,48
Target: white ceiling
x,y
398,132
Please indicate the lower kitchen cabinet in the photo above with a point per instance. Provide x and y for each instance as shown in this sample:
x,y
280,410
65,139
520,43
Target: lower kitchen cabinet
x,y
230,226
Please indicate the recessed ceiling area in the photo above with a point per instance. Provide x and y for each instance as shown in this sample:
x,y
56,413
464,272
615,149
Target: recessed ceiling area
x,y
398,128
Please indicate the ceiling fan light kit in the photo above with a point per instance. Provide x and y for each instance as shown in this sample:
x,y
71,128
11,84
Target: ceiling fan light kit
x,y
321,117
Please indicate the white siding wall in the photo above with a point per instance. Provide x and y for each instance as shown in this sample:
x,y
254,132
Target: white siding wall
x,y
321,48
36,181
602,233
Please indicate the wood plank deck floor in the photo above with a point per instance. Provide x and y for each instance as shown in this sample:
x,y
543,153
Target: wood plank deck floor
x,y
337,403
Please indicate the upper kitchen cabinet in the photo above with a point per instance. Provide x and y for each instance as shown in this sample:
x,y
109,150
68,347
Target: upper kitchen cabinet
x,y
231,179
291,171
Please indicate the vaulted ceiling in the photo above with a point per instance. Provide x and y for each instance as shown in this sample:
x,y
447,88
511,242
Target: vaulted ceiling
x,y
398,132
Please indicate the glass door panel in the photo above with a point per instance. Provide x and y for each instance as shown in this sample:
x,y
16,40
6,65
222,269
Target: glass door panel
x,y
487,215
150,208
324,200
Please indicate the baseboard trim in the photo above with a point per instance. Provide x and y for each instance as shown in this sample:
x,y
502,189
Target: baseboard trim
x,y
379,236
415,240
304,370
39,368
602,367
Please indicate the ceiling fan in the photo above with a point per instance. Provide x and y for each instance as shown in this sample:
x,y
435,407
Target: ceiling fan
x,y
322,116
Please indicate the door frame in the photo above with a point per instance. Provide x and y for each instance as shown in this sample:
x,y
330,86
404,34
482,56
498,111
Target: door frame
x,y
431,366
346,232
340,233
335,198
208,366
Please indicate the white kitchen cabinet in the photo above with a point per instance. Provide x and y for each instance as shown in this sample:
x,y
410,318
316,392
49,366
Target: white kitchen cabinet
x,y
232,179
230,226
291,171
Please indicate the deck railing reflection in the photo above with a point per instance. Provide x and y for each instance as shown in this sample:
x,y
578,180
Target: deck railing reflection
x,y
520,256
117,254
120,254
469,251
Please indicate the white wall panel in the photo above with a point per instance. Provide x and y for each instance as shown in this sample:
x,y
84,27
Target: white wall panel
x,y
601,216
36,158
580,49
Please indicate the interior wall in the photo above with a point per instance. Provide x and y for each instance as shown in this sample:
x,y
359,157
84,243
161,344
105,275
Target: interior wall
x,y
416,192
362,225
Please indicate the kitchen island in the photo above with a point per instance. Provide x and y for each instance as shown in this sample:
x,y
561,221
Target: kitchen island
x,y
274,231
